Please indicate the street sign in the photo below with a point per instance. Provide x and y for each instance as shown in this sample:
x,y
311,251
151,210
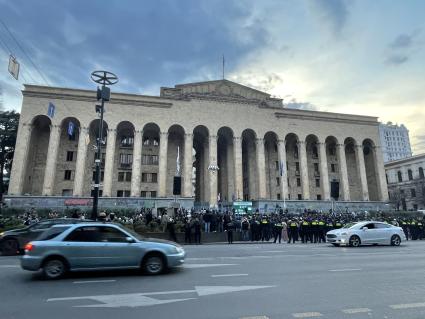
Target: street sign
x,y
242,207
13,67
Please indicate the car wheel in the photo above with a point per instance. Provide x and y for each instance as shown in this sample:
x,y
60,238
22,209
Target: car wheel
x,y
355,241
153,264
336,245
10,247
395,240
54,268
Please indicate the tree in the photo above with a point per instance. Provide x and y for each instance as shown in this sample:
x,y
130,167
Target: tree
x,y
9,121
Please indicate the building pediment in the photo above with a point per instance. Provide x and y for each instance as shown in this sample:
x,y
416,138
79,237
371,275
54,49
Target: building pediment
x,y
221,90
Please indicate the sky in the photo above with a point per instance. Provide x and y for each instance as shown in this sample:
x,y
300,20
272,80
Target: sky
x,y
357,56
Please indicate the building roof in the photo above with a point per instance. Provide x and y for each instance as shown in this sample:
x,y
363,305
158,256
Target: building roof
x,y
405,161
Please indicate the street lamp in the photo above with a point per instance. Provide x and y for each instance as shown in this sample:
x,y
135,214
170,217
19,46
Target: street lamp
x,y
103,94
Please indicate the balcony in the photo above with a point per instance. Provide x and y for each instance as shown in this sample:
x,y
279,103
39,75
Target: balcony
x,y
297,173
317,173
126,165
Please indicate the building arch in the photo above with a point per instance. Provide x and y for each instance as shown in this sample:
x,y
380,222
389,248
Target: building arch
x,y
249,164
38,146
201,147
225,162
334,165
371,169
175,156
313,167
421,172
353,173
90,167
67,156
271,154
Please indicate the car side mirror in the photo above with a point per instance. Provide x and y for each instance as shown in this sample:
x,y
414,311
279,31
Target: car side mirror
x,y
364,228
129,240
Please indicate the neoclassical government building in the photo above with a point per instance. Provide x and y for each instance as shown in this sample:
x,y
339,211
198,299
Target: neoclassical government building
x,y
230,142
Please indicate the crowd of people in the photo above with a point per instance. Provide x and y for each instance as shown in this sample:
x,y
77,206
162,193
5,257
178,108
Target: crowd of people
x,y
307,227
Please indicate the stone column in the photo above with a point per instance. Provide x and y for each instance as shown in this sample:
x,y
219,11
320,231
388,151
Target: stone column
x,y
162,169
80,165
230,172
380,173
237,157
343,173
213,174
20,159
324,175
51,161
361,169
136,170
281,148
261,169
188,165
109,162
304,170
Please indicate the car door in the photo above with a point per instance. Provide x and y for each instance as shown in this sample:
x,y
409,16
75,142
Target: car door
x,y
84,248
383,231
368,234
117,250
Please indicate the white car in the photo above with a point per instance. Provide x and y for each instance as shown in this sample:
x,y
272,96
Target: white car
x,y
366,233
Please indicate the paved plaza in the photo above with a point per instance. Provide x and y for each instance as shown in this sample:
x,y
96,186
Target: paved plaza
x,y
234,281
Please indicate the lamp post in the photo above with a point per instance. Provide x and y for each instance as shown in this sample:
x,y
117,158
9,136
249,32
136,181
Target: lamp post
x,y
213,168
103,94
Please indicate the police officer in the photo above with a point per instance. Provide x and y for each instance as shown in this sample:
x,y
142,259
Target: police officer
x,y
292,231
321,231
277,231
304,230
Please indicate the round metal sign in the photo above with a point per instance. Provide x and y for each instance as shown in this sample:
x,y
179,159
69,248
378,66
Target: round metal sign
x,y
104,77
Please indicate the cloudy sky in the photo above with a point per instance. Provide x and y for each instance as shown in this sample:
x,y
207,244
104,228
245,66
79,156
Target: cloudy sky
x,y
358,56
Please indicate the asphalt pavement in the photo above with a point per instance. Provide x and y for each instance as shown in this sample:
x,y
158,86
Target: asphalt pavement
x,y
234,281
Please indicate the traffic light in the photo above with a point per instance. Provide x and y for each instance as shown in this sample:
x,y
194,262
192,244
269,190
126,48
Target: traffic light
x,y
103,93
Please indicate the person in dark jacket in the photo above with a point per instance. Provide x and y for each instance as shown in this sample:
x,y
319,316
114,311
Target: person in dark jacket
x,y
187,231
230,228
197,230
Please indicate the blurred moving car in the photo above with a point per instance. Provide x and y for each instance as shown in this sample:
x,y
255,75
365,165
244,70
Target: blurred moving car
x,y
98,246
366,233
13,241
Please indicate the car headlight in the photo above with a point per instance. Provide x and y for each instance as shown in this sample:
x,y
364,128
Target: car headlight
x,y
177,250
1,234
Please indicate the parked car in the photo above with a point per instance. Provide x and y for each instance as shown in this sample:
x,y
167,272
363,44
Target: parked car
x,y
366,233
13,241
98,246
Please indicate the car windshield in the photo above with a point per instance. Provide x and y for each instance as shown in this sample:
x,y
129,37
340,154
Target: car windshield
x,y
52,233
349,225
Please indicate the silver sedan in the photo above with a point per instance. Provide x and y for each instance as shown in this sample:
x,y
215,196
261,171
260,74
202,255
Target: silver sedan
x,y
98,246
366,233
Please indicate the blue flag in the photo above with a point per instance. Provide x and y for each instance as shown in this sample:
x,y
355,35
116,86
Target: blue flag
x,y
51,110
281,168
71,128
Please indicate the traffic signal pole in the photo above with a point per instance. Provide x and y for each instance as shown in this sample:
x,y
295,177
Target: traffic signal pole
x,y
103,94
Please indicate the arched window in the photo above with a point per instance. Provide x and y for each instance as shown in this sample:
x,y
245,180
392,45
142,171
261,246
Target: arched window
x,y
421,172
409,174
400,179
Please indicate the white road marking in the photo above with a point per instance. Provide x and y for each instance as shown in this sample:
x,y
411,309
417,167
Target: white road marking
x,y
347,269
356,310
307,314
255,317
9,266
142,299
229,275
93,281
408,305
191,266
201,258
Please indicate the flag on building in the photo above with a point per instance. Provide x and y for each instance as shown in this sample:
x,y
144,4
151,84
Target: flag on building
x,y
51,110
13,67
71,128
178,162
281,168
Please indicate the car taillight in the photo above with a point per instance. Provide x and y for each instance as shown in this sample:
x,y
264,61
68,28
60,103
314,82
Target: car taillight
x,y
29,247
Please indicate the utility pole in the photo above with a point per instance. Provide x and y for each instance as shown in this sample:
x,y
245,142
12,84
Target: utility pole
x,y
103,94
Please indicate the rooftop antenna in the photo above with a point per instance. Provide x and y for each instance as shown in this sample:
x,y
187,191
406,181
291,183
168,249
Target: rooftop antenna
x,y
223,66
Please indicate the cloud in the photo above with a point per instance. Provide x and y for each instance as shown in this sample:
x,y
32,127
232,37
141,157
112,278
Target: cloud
x,y
396,59
262,82
294,104
333,13
419,143
401,41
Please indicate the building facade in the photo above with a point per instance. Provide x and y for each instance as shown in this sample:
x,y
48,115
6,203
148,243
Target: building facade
x,y
262,150
395,141
406,183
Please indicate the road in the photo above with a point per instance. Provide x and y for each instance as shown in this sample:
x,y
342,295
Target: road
x,y
234,281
